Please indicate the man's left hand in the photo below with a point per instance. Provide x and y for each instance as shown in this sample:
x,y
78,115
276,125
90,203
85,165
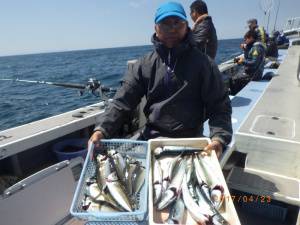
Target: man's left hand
x,y
214,145
241,60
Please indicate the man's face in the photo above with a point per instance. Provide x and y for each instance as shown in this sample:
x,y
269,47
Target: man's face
x,y
171,31
252,26
194,15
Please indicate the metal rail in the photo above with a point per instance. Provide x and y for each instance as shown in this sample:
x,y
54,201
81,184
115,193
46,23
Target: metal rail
x,y
292,24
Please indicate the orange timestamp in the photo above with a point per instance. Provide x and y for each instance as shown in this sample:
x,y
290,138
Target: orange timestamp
x,y
248,198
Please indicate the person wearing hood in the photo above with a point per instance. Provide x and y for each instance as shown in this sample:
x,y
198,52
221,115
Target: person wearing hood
x,y
204,31
182,87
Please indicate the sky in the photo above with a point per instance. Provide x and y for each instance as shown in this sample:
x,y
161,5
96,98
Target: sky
x,y
36,26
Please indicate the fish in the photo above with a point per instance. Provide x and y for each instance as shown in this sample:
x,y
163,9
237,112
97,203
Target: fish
x,y
157,181
168,174
200,215
86,202
100,171
177,211
93,191
99,206
211,177
117,192
138,178
175,150
217,189
119,164
108,199
199,171
174,188
217,218
129,177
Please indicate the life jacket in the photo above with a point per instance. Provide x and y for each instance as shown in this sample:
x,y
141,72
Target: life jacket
x,y
262,35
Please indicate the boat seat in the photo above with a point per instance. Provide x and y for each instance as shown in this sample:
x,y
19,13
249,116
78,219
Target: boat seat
x,y
44,198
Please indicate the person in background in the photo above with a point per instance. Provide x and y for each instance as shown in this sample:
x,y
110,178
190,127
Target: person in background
x,y
253,61
272,49
280,38
259,30
204,31
182,87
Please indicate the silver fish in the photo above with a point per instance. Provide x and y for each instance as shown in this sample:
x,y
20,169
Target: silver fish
x,y
174,188
157,181
108,200
176,214
129,177
217,196
211,177
117,192
199,170
217,218
100,171
217,189
119,164
203,202
102,207
130,169
86,202
138,178
168,174
200,215
94,191
175,150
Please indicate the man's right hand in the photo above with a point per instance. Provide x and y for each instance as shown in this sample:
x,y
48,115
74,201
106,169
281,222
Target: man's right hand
x,y
96,137
243,46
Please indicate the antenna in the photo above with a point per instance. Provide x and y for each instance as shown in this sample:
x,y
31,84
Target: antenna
x,y
266,6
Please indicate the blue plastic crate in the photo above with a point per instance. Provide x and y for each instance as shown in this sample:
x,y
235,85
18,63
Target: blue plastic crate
x,y
136,149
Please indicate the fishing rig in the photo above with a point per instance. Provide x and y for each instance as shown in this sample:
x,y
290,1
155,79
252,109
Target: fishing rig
x,y
93,86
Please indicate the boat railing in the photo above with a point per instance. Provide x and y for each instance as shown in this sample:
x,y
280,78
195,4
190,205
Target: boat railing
x,y
292,25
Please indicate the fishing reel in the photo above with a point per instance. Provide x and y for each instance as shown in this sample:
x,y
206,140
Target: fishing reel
x,y
95,87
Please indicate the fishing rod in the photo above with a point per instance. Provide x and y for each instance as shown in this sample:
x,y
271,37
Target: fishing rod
x,y
93,86
276,15
266,6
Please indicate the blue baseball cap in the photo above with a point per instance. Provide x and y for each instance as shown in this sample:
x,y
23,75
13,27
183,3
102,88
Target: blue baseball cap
x,y
169,9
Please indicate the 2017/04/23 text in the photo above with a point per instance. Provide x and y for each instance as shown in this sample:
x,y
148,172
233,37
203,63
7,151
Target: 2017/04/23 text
x,y
248,198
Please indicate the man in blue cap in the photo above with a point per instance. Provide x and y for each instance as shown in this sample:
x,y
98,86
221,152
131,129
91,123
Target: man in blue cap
x,y
182,86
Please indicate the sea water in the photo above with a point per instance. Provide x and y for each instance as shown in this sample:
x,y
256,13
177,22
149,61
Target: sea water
x,y
21,103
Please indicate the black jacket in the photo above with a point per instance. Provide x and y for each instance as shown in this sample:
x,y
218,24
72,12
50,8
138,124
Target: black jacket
x,y
177,103
206,37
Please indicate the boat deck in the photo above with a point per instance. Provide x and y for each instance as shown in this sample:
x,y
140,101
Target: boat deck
x,y
270,137
271,132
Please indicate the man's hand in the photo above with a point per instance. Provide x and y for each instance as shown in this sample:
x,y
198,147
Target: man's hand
x,y
243,46
235,60
238,60
214,145
96,137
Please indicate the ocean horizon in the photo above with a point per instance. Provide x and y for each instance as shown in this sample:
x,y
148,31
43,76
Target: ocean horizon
x,y
77,50
23,103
